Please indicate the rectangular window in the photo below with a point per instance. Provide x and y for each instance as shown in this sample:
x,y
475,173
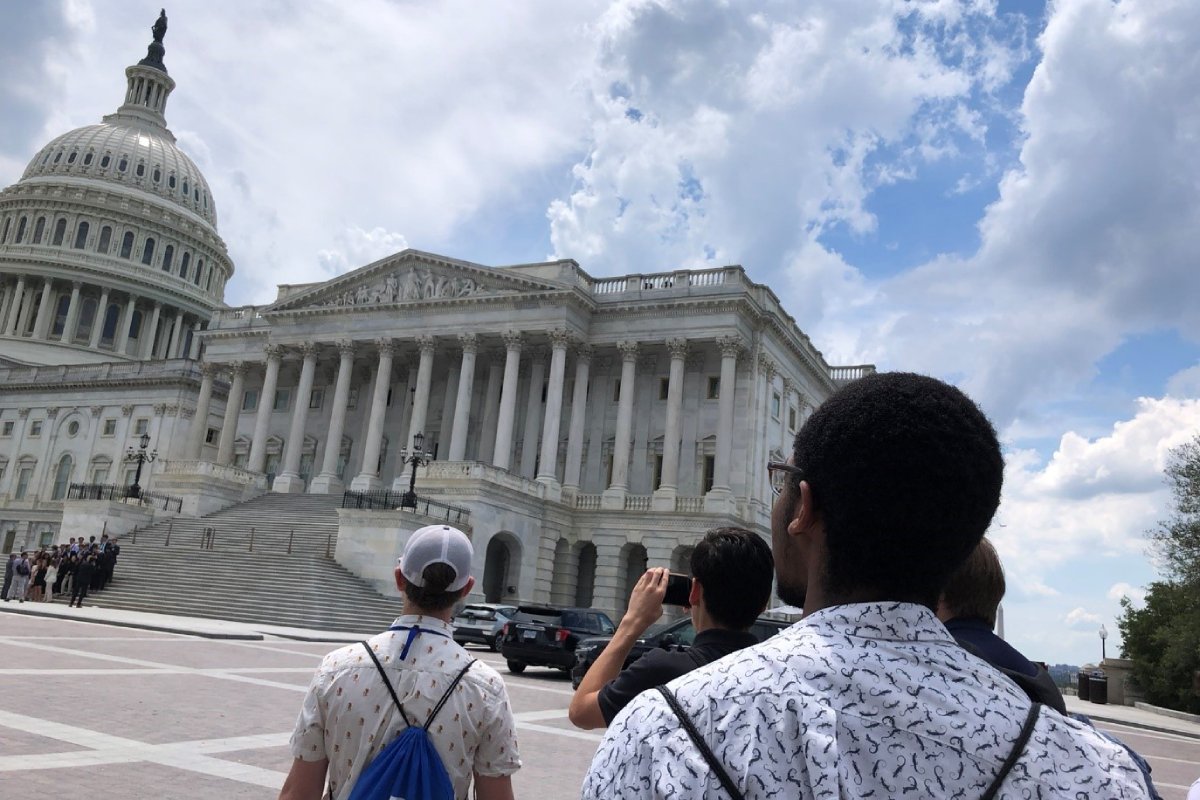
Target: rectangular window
x,y
130,474
710,469
23,478
212,435
141,426
250,400
110,427
714,387
664,387
35,429
658,472
99,474
283,398
8,428
352,398
791,418
317,398
775,401
616,389
239,460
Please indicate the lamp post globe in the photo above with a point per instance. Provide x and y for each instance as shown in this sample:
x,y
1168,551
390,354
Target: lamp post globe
x,y
1103,637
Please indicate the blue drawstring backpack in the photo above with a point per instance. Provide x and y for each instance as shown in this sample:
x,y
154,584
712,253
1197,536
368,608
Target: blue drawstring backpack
x,y
409,768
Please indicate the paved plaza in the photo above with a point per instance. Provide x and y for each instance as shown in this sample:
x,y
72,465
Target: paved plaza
x,y
118,712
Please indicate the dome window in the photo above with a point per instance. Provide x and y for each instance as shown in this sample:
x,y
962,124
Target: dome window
x,y
148,252
141,170
60,315
183,265
208,283
4,236
105,240
21,230
81,235
127,245
168,257
38,230
196,195
58,156
45,158
171,181
87,159
185,187
199,270
123,164
157,175
71,158
60,231
105,161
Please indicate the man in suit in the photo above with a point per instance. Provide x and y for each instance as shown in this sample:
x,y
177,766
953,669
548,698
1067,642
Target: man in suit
x,y
82,581
8,575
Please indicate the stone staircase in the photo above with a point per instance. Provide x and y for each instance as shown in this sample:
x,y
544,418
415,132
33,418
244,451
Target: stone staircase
x,y
246,573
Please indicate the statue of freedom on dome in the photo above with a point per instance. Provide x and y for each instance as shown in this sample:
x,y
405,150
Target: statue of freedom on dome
x,y
159,29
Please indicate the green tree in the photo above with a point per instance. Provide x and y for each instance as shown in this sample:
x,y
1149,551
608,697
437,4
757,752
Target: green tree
x,y
1163,637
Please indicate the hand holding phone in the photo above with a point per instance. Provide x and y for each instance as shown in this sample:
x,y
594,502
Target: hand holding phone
x,y
679,587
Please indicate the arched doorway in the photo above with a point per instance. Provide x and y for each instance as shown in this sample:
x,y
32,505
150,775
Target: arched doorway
x,y
585,580
502,568
561,579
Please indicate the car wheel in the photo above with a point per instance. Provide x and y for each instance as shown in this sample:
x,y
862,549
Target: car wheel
x,y
516,667
492,644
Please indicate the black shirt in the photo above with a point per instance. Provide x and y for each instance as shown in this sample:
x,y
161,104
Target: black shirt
x,y
991,648
662,666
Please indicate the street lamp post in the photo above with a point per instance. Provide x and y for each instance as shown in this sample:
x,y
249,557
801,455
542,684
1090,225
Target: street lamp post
x,y
1103,636
139,457
418,458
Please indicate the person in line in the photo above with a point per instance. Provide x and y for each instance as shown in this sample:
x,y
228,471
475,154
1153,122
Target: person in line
x,y
21,572
8,575
731,585
474,733
891,484
81,581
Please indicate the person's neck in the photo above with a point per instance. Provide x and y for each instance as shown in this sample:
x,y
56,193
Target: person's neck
x,y
410,609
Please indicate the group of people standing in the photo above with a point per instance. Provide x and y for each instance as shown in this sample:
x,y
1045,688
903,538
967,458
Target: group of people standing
x,y
70,569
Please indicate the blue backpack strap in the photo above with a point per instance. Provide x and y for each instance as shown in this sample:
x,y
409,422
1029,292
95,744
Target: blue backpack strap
x,y
446,696
388,683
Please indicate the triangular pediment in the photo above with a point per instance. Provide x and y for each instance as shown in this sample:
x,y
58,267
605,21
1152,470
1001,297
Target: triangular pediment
x,y
414,277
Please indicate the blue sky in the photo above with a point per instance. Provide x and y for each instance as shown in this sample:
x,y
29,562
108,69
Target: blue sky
x,y
1001,193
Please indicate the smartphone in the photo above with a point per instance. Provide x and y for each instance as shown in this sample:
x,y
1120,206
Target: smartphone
x,y
678,589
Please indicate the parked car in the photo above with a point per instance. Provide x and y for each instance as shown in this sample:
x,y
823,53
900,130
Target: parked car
x,y
546,636
481,623
670,635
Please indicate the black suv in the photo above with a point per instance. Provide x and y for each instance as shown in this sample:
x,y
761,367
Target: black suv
x,y
546,636
676,635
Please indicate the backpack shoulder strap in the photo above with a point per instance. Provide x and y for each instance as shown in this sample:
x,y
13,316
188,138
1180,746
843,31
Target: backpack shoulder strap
x,y
448,692
716,766
1015,755
386,682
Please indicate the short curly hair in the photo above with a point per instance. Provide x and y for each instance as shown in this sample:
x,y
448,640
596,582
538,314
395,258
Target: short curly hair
x,y
905,473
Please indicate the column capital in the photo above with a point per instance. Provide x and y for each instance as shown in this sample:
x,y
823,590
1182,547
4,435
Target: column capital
x,y
677,348
52,412
157,303
308,350
628,350
560,338
273,352
766,366
127,410
23,412
730,345
160,409
583,351
187,412
209,370
469,343
345,348
235,368
426,344
386,347
788,385
97,410
49,281
512,340
76,286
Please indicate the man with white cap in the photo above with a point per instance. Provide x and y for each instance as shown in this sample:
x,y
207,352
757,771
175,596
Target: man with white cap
x,y
349,715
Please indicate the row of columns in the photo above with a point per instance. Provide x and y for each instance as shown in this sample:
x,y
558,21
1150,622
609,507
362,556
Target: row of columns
x,y
15,313
500,414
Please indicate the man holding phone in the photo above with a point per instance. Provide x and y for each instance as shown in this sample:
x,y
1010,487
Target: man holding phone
x,y
732,570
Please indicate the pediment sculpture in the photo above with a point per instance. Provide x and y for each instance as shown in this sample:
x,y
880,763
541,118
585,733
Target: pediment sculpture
x,y
410,284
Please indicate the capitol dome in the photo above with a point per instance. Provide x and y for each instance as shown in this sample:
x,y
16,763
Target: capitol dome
x,y
108,243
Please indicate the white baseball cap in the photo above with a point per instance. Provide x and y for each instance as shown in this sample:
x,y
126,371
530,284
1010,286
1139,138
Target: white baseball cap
x,y
437,544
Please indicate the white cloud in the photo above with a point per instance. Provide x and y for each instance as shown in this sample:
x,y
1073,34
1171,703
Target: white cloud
x,y
357,248
1136,595
1080,618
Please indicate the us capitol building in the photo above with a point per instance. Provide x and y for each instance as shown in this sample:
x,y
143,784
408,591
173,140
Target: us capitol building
x,y
589,425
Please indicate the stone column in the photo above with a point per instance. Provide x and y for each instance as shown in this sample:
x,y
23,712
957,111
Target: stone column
x,y
68,333
14,311
614,495
420,411
502,455
664,496
6,305
176,333
328,481
98,322
290,481
548,464
121,343
533,411
233,407
148,331
200,419
266,403
720,497
462,405
583,363
41,326
368,476
193,350
491,406
784,395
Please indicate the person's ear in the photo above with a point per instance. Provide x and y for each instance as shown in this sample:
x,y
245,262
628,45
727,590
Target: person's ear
x,y
400,582
466,590
804,512
695,593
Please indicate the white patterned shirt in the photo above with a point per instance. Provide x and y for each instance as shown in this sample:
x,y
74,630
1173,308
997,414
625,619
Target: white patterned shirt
x,y
348,715
855,701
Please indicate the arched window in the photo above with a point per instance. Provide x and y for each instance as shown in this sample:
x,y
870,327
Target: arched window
x,y
185,187
141,169
87,318
31,322
183,265
71,158
171,180
168,257
127,244
148,252
105,161
87,160
135,324
105,240
109,332
157,175
123,164
4,236
199,270
21,230
38,230
60,232
58,156
81,235
62,478
60,315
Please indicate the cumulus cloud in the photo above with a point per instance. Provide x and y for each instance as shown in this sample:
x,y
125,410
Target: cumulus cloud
x,y
1081,617
1136,595
357,247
